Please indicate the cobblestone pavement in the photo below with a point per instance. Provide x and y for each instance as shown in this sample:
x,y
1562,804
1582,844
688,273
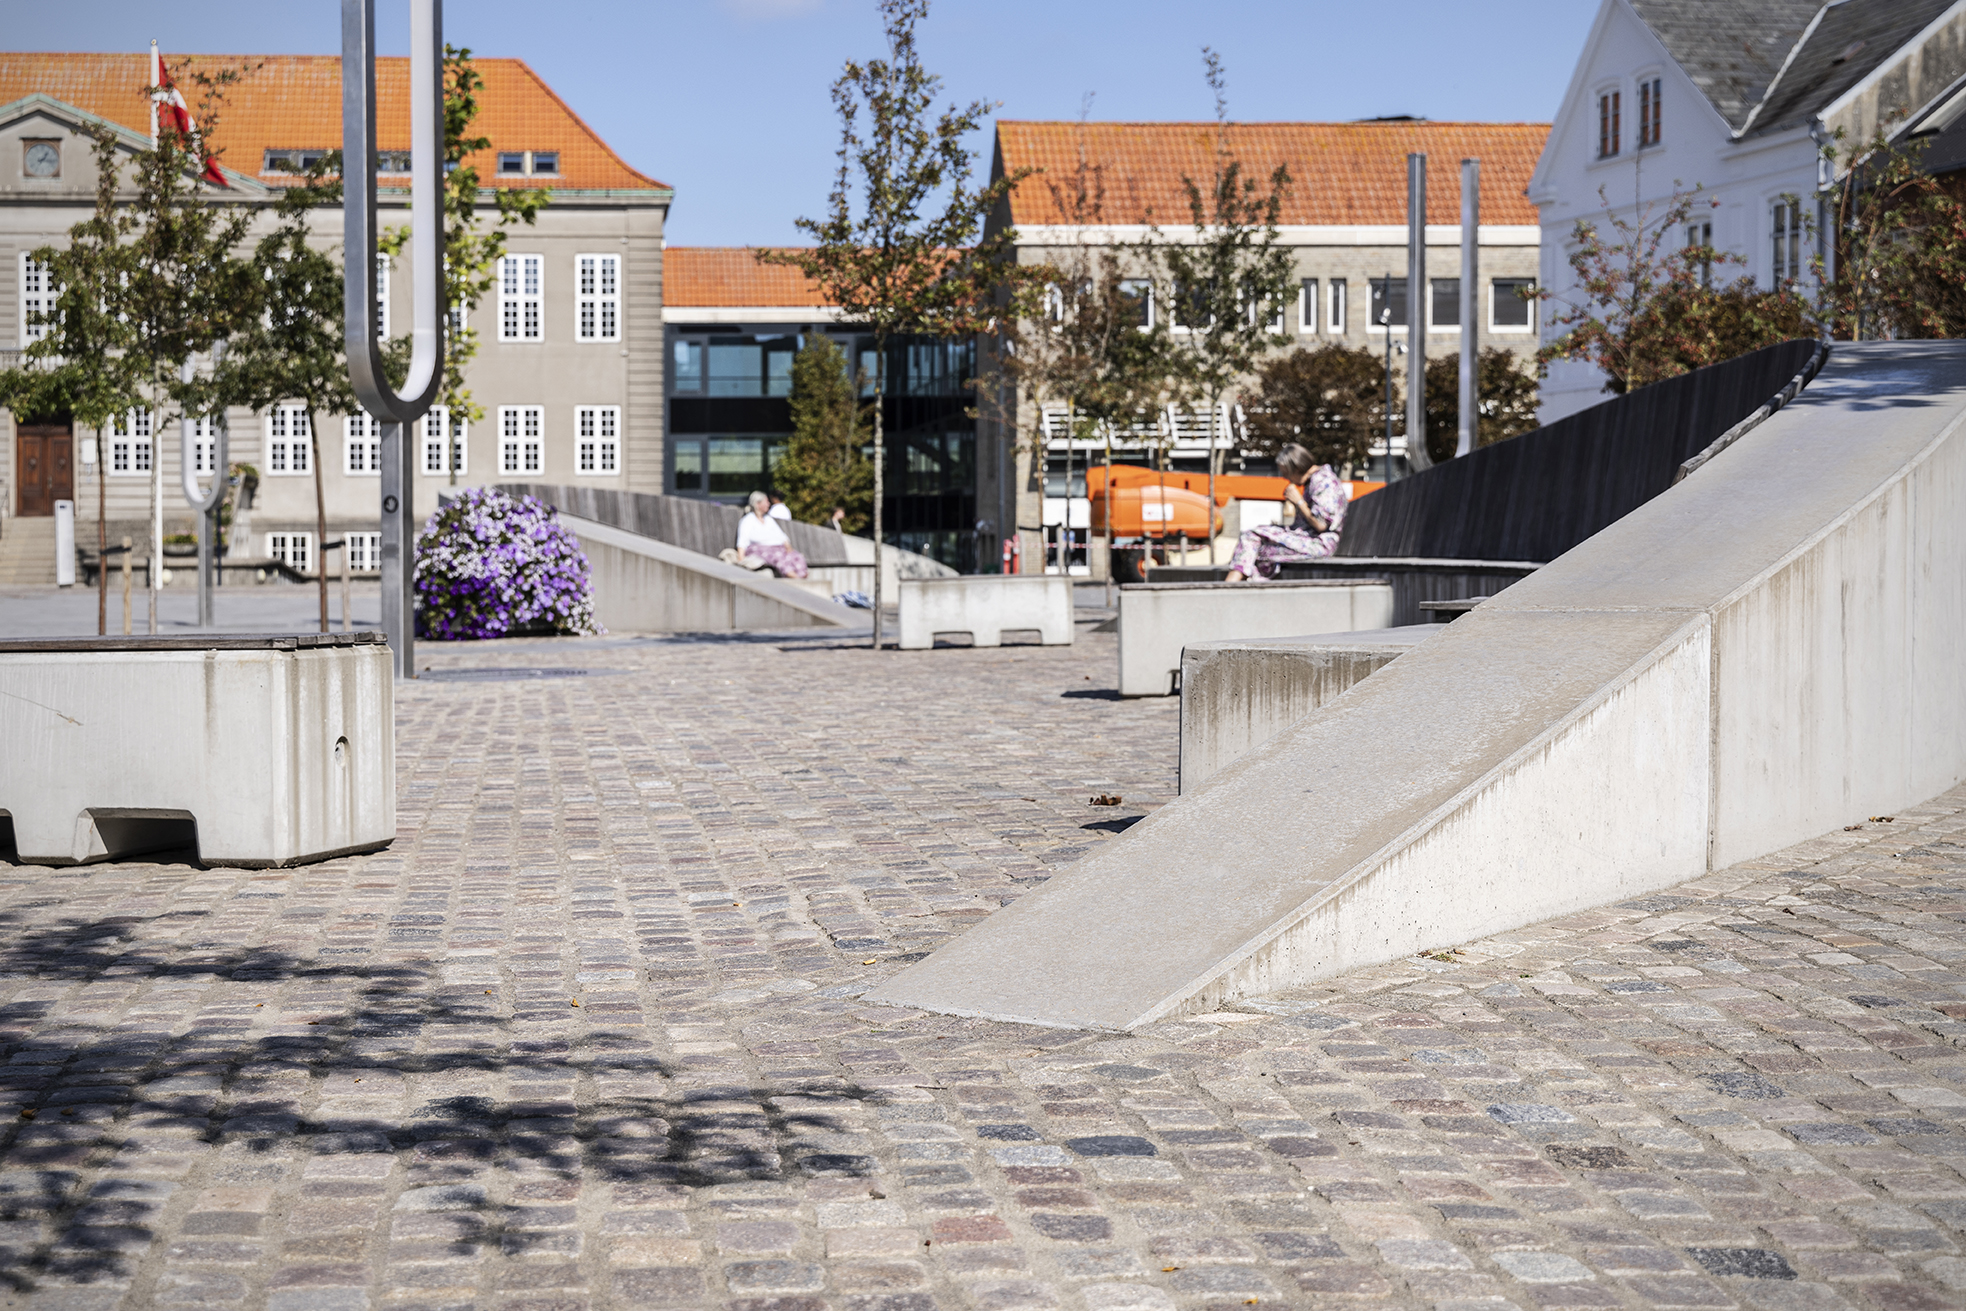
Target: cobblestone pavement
x,y
588,1036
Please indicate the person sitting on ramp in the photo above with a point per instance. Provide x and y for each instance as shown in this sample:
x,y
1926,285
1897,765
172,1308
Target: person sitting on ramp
x,y
1317,498
762,543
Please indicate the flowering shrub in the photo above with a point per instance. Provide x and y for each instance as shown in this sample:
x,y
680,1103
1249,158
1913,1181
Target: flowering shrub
x,y
491,566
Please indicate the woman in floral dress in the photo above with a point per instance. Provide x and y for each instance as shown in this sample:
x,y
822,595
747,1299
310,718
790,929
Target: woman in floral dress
x,y
1318,498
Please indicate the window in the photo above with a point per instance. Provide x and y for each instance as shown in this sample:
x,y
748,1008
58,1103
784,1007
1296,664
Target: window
x,y
364,552
1510,307
1446,307
1648,112
361,446
1338,306
200,435
519,317
511,163
1388,296
1142,292
520,443
1701,234
598,445
394,162
762,366
382,297
1787,265
37,299
440,437
291,161
130,443
689,466
1607,124
295,550
689,366
1307,305
287,440
546,163
597,297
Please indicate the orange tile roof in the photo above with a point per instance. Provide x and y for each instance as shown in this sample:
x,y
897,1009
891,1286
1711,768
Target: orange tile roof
x,y
1341,173
293,102
706,277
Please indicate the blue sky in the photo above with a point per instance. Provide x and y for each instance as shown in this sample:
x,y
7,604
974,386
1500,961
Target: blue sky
x,y
726,100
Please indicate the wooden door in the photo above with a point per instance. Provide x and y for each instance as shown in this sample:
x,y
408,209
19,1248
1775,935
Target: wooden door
x,y
46,456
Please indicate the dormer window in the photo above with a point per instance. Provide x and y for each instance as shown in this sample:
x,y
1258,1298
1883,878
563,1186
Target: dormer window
x,y
511,163
1649,118
1608,125
291,161
394,162
545,163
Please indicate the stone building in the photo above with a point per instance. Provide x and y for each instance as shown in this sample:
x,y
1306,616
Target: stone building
x,y
1344,220
569,369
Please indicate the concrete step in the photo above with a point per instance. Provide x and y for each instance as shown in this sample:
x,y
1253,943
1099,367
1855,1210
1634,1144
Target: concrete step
x,y
27,552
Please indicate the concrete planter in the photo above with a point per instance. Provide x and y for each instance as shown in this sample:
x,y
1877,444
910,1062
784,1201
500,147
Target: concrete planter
x,y
986,606
1157,620
261,750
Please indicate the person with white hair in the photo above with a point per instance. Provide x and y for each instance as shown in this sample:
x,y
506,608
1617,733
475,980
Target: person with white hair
x,y
762,543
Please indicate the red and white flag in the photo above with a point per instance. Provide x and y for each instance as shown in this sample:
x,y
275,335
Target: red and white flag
x,y
166,101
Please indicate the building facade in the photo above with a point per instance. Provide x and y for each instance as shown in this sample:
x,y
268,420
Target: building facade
x,y
733,325
569,368
1344,222
1738,98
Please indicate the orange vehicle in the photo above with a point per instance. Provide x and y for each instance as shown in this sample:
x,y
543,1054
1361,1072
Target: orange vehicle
x,y
1141,509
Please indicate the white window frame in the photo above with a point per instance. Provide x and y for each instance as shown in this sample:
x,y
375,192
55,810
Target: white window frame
x,y
1650,96
1144,288
597,297
1616,134
1308,303
295,550
132,442
361,446
201,438
521,297
1785,226
364,552
438,439
37,296
287,441
1433,324
521,439
597,440
381,296
1372,325
1335,297
1495,295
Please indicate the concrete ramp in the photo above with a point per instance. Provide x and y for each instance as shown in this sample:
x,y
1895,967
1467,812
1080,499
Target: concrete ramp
x,y
645,586
1767,651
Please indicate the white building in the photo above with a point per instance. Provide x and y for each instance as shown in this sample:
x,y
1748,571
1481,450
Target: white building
x,y
1736,97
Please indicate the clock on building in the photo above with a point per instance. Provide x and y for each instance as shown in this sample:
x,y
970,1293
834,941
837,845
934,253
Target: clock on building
x,y
43,159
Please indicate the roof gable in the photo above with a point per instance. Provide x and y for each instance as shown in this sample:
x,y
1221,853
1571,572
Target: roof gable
x,y
293,102
1732,50
1341,173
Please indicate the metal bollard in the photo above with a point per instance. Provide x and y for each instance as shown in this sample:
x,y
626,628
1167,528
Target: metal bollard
x,y
126,587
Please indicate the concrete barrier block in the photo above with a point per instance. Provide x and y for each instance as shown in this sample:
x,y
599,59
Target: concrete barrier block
x,y
271,750
1235,696
986,606
1158,620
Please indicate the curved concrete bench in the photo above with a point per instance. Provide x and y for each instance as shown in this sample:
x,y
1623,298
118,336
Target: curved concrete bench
x,y
645,586
1764,652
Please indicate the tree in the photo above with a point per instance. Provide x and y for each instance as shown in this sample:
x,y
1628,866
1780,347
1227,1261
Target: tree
x,y
1505,400
824,464
1228,285
1330,400
293,349
471,253
1901,249
912,260
1647,314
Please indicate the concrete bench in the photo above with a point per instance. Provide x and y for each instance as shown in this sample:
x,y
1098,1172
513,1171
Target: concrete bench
x,y
256,749
1157,620
986,606
1235,696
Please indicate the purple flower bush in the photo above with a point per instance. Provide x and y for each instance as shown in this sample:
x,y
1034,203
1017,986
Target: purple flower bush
x,y
491,566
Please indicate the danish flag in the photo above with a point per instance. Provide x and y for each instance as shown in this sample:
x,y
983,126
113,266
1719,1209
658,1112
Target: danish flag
x,y
166,101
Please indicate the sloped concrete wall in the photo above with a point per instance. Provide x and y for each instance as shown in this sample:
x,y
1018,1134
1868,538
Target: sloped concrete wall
x,y
645,586
1758,655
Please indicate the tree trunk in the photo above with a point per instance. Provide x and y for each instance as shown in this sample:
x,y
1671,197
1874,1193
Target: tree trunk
x,y
880,471
102,543
320,519
156,516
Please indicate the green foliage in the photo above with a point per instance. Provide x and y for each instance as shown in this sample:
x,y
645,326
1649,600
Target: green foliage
x,y
1901,252
1505,400
1647,315
824,464
293,349
1331,400
471,252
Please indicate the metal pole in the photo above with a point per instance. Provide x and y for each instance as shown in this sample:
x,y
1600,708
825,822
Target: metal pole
x,y
1416,313
1386,321
205,503
394,410
1470,300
